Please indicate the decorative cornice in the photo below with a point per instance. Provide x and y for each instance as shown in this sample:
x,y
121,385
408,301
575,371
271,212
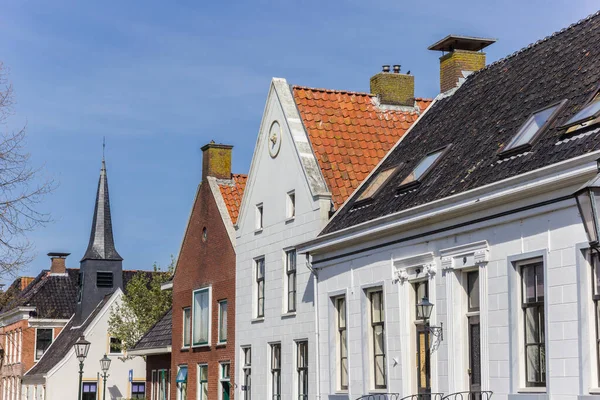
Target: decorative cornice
x,y
414,267
466,255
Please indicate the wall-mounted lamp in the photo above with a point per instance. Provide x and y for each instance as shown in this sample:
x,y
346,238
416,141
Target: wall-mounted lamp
x,y
424,309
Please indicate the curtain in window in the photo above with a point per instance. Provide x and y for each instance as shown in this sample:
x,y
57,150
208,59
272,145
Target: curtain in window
x,y
201,317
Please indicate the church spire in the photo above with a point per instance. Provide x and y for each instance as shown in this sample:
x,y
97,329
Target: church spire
x,y
102,245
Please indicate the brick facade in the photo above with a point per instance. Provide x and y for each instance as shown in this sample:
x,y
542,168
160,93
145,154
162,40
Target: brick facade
x,y
201,264
454,63
155,363
18,342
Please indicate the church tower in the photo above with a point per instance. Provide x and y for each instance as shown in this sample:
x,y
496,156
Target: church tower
x,y
101,271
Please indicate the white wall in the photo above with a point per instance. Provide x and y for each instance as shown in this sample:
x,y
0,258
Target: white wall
x,y
269,182
61,383
554,233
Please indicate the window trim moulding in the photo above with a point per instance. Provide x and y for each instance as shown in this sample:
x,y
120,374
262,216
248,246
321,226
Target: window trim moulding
x,y
478,252
414,267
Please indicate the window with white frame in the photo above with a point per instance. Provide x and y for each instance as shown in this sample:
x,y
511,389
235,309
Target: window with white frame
x,y
260,286
596,300
181,382
290,205
224,380
377,338
247,371
259,216
202,382
187,316
201,317
43,340
223,321
290,280
532,305
276,371
302,369
154,386
341,343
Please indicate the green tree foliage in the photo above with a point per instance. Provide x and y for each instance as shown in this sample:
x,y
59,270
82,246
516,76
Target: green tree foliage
x,y
143,304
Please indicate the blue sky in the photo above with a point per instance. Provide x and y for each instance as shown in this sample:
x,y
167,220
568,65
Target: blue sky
x,y
161,79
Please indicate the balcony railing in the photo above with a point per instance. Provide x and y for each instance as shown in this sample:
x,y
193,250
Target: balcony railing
x,y
397,396
479,395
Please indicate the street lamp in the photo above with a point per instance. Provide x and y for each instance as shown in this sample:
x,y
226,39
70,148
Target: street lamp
x,y
424,309
588,200
82,347
105,365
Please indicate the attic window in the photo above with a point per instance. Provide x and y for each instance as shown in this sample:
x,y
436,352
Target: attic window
x,y
423,167
104,279
377,183
534,125
589,112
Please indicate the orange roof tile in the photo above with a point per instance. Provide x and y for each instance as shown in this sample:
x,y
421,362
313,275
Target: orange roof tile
x,y
350,134
232,194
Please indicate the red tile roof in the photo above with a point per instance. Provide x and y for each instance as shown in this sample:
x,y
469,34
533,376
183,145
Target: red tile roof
x,y
232,194
350,134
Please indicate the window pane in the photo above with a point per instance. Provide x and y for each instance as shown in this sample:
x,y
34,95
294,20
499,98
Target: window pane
x,y
587,111
343,345
379,345
376,314
200,318
532,325
291,260
473,290
539,279
186,326
533,364
376,183
531,127
379,371
43,341
529,284
260,268
344,374
341,306
223,321
422,167
596,275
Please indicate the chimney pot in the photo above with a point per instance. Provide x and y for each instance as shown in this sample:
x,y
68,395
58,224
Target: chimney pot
x,y
216,160
58,265
386,68
397,68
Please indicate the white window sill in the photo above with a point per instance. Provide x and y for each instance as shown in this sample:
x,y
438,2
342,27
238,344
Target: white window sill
x,y
221,344
198,346
259,319
594,390
258,230
185,348
290,219
288,314
116,354
532,390
377,391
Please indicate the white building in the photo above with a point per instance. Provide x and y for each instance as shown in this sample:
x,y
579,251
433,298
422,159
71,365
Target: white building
x,y
474,210
101,282
313,149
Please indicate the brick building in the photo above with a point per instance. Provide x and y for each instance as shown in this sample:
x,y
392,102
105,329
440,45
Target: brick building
x,y
203,285
34,312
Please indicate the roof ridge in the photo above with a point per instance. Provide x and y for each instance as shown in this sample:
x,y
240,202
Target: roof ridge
x,y
537,43
332,90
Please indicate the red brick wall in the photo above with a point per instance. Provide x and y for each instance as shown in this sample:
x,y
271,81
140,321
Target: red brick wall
x,y
157,362
201,264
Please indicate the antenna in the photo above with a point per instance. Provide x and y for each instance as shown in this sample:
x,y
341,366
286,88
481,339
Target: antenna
x,y
103,146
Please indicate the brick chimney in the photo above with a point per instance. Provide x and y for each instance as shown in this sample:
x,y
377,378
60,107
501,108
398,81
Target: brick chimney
x,y
461,57
58,265
216,160
394,88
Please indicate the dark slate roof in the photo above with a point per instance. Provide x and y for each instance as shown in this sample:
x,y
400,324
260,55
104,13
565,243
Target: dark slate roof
x,y
482,116
54,296
64,342
158,336
102,245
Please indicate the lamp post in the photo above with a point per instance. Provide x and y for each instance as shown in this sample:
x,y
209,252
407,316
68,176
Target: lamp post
x,y
588,200
105,365
82,347
424,309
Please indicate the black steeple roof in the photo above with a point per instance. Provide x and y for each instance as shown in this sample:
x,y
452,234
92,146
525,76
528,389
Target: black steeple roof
x,y
102,245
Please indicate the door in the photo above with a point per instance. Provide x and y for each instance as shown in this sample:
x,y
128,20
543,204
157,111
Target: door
x,y
474,356
423,364
225,390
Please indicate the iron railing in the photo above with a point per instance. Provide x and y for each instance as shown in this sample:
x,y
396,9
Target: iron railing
x,y
477,395
397,396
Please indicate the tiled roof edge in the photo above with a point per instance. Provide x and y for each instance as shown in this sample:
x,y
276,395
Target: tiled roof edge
x,y
537,43
324,90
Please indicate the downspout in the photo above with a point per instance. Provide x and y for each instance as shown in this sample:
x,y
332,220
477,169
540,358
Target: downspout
x,y
316,302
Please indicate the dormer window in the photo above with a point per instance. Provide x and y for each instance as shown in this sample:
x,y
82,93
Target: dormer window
x,y
590,112
534,125
423,167
376,183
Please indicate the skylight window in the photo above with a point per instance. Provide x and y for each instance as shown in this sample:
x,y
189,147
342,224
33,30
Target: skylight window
x,y
591,111
423,167
532,127
377,183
